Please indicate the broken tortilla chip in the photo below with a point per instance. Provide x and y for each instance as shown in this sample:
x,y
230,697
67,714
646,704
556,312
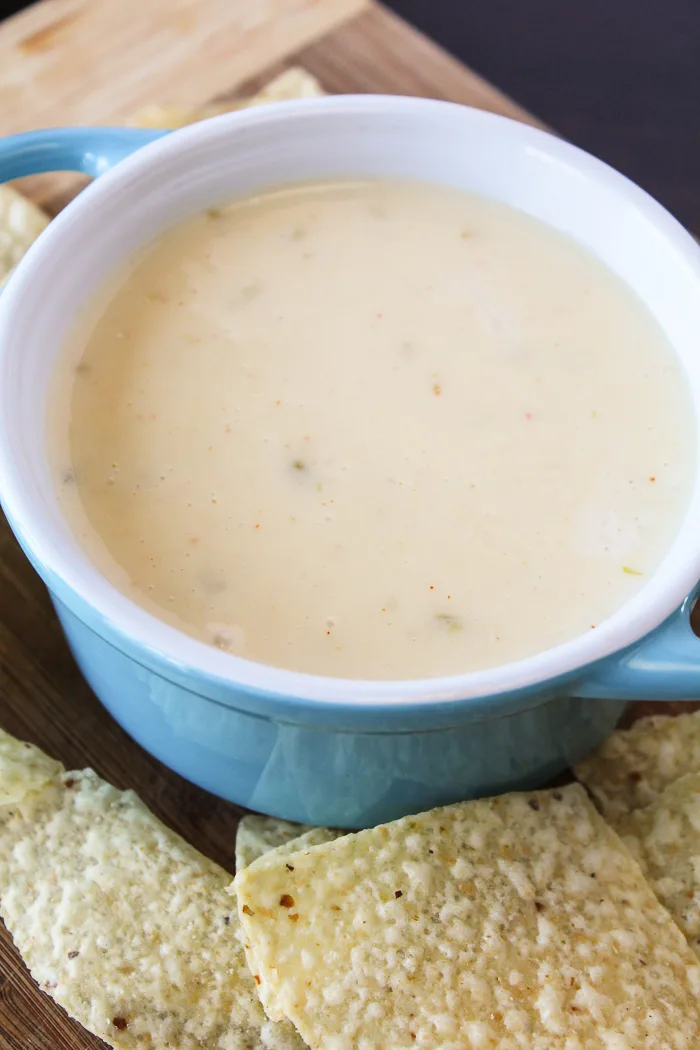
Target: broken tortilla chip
x,y
515,922
292,84
21,222
666,838
633,766
123,923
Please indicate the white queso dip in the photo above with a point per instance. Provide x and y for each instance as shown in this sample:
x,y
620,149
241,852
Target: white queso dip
x,y
373,429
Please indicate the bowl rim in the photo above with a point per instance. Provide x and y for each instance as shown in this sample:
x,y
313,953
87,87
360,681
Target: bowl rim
x,y
115,612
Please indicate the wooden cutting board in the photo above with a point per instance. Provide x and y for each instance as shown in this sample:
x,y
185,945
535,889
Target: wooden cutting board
x,y
98,62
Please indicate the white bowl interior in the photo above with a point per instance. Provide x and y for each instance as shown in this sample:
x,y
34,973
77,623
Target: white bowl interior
x,y
239,154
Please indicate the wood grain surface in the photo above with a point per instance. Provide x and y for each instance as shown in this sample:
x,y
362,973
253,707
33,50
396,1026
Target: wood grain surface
x,y
70,61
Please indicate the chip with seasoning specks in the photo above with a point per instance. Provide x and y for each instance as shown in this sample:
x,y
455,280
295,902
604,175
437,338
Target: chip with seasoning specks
x,y
21,222
310,838
633,766
292,84
518,922
666,838
257,835
124,924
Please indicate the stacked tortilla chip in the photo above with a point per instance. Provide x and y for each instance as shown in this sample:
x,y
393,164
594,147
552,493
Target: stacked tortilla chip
x,y
125,925
515,923
257,835
647,782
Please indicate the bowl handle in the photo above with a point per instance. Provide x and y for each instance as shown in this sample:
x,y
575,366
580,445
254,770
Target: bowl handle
x,y
90,150
665,665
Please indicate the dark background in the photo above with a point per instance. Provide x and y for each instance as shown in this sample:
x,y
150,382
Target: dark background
x,y
620,78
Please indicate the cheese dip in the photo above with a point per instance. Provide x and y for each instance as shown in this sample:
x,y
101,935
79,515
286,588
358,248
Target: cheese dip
x,y
375,429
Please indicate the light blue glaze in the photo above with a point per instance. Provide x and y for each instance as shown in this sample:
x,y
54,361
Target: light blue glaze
x,y
339,764
90,150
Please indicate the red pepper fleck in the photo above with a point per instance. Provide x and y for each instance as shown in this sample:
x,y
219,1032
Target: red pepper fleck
x,y
256,978
379,316
246,910
120,1024
286,901
652,478
193,541
431,587
69,783
528,415
593,627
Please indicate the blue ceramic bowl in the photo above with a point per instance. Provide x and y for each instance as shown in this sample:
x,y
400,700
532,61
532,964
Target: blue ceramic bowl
x,y
319,750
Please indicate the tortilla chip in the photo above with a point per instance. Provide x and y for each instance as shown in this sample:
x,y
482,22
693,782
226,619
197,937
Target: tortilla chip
x,y
257,835
666,838
312,837
125,925
633,766
173,117
21,222
514,922
23,769
293,83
